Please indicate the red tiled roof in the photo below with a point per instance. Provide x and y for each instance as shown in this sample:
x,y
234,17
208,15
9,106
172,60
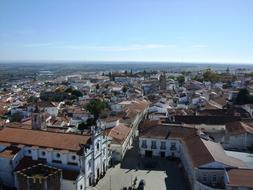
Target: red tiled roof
x,y
9,152
238,128
240,178
46,139
119,133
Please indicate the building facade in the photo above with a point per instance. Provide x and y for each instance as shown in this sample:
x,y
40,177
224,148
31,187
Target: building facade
x,y
86,156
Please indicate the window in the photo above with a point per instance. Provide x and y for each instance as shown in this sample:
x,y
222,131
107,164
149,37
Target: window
x,y
144,144
214,178
57,161
73,157
153,144
35,118
163,145
89,164
97,146
173,146
43,153
81,187
204,178
58,155
29,151
72,164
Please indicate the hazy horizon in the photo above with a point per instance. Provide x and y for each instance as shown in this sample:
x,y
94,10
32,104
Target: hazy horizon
x,y
116,62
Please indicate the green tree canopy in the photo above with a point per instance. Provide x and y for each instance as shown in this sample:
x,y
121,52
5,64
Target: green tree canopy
x,y
211,76
77,93
180,79
125,88
85,125
32,99
244,97
95,107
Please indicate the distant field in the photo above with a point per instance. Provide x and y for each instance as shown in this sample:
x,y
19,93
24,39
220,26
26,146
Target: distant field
x,y
15,71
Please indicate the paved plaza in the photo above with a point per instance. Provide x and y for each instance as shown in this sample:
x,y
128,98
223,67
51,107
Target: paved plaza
x,y
158,174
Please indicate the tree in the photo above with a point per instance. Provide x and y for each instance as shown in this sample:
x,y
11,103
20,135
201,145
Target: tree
x,y
85,125
180,79
211,76
69,90
95,107
198,78
97,86
244,97
32,99
77,93
125,88
82,126
250,74
171,77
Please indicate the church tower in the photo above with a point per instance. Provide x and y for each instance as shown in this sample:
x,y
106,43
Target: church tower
x,y
38,120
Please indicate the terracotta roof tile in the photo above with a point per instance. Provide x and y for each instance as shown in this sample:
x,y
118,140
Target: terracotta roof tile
x,y
9,152
240,178
119,133
29,137
238,128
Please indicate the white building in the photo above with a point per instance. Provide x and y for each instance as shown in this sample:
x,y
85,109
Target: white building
x,y
238,135
121,141
86,158
204,161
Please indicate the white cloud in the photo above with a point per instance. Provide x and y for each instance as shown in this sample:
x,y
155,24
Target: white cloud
x,y
101,48
132,47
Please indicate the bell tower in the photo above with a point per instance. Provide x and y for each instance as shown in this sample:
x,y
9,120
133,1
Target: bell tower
x,y
38,120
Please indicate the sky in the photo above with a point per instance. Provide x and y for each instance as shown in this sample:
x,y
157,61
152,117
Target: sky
x,y
219,31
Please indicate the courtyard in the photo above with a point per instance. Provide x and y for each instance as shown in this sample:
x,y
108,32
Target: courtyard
x,y
158,174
